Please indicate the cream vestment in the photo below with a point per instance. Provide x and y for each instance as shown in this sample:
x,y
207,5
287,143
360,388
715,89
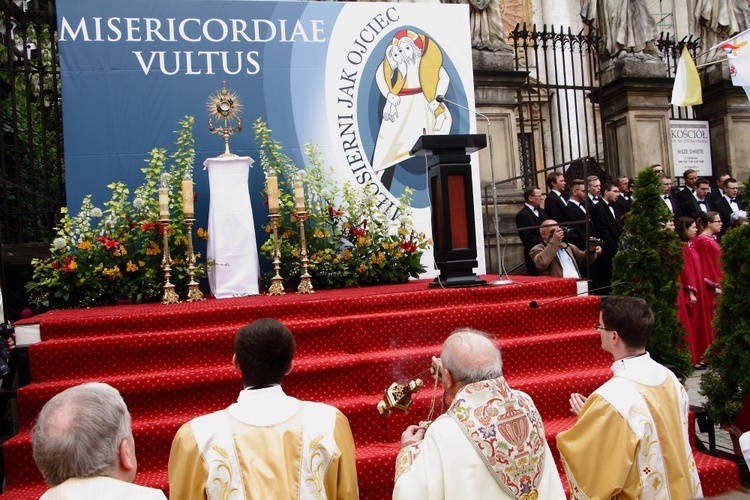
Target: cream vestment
x,y
266,445
101,487
489,444
631,438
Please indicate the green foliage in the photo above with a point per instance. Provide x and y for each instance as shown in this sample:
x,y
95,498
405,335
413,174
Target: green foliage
x,y
650,257
101,256
726,383
350,240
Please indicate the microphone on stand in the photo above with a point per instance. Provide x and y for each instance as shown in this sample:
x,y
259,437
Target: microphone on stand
x,y
534,304
499,280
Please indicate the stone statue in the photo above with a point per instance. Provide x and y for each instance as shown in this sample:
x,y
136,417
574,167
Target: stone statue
x,y
486,21
626,28
716,20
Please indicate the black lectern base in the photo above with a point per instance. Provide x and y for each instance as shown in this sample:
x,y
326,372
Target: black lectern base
x,y
457,281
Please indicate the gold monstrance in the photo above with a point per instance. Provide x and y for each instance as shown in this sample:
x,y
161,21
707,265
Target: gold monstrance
x,y
225,105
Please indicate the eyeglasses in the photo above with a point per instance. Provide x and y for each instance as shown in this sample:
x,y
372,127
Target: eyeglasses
x,y
719,221
602,327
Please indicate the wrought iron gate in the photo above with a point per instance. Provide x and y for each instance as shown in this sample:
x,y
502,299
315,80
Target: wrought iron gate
x,y
558,115
32,185
559,121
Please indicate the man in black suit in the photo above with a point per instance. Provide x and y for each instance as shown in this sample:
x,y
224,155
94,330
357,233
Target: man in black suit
x,y
698,204
690,177
729,203
625,199
594,187
576,211
554,204
607,217
530,215
670,200
718,191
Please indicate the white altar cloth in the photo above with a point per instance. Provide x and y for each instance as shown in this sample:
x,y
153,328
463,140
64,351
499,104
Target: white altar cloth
x,y
231,229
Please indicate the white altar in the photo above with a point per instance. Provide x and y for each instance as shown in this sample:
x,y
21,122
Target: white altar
x,y
231,229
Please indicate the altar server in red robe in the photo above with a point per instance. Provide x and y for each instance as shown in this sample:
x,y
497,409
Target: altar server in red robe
x,y
710,254
692,306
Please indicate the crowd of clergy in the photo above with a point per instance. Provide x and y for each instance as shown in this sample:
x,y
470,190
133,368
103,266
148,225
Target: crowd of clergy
x,y
630,439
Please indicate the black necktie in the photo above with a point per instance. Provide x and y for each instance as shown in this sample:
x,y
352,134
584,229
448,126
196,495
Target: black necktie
x,y
702,202
667,197
732,200
595,198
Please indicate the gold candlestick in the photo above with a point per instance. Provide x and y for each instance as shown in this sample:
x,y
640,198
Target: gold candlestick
x,y
305,286
194,294
170,296
277,285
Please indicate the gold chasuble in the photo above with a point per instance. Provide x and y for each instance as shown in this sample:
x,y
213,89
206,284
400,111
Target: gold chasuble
x,y
489,444
631,438
267,445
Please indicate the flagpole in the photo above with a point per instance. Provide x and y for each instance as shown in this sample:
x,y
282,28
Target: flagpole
x,y
699,66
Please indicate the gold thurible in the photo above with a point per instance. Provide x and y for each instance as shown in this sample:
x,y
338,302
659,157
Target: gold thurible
x,y
277,285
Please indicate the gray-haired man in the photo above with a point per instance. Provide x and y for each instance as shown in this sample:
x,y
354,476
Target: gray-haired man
x,y
84,448
468,452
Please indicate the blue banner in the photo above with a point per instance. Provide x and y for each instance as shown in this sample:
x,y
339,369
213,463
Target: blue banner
x,y
358,79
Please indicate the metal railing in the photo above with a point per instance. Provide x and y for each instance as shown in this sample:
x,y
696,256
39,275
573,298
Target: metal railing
x,y
32,184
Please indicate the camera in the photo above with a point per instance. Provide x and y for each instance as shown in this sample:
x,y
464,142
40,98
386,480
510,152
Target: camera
x,y
594,241
6,331
567,231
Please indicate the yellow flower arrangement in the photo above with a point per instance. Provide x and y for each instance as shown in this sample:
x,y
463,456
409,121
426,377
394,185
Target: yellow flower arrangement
x,y
350,240
102,255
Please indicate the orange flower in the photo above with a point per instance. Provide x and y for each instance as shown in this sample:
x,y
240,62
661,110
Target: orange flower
x,y
70,264
153,249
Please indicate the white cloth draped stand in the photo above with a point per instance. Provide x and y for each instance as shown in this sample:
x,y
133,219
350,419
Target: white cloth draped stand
x,y
231,229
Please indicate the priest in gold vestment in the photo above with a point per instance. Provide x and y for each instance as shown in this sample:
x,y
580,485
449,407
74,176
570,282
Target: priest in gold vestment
x,y
267,444
489,444
631,437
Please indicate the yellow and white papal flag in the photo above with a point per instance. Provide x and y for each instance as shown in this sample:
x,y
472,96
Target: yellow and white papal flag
x,y
687,84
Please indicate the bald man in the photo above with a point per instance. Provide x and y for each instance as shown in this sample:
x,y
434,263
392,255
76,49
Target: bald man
x,y
555,258
468,452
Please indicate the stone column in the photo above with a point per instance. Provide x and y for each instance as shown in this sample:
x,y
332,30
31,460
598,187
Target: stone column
x,y
495,91
635,111
727,110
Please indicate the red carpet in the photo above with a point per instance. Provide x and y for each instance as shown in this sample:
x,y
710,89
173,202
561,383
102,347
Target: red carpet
x,y
172,363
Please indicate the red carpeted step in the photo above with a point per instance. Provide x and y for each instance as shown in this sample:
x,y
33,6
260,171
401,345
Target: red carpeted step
x,y
104,321
174,363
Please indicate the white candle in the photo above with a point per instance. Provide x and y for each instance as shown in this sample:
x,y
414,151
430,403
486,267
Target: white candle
x,y
187,199
273,194
299,196
163,202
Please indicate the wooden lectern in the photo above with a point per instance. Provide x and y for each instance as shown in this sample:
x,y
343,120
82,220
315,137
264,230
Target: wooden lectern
x,y
452,205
